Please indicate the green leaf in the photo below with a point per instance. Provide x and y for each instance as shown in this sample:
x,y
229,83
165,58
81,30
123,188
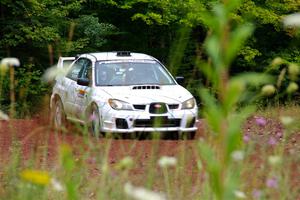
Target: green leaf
x,y
233,94
237,39
213,166
253,78
232,6
207,70
212,111
234,132
213,49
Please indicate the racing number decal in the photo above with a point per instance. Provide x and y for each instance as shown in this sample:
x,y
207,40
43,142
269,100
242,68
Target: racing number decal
x,y
81,93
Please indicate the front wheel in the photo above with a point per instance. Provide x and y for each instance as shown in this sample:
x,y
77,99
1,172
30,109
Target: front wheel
x,y
190,135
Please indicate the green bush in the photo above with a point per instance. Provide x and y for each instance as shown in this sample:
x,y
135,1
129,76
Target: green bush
x,y
29,90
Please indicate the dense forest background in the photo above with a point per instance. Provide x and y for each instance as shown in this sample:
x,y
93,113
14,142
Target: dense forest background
x,y
39,31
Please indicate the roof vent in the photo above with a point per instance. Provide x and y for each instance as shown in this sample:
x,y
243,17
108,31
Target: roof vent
x,y
146,87
123,53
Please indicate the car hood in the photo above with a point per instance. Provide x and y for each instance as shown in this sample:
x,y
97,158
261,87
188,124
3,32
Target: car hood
x,y
170,94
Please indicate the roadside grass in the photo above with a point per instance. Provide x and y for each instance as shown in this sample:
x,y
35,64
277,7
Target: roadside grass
x,y
291,109
272,145
88,168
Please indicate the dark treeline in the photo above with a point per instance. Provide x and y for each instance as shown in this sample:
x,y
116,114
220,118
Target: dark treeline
x,y
39,31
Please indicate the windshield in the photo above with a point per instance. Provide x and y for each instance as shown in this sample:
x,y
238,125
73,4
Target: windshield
x,y
131,73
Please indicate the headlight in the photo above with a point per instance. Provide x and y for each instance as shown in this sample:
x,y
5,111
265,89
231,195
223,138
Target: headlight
x,y
119,105
188,104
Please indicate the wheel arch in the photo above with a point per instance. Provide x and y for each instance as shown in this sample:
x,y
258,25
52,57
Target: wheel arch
x,y
89,114
89,108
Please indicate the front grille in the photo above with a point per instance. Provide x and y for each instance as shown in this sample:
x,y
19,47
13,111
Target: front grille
x,y
139,106
173,106
157,108
156,122
121,123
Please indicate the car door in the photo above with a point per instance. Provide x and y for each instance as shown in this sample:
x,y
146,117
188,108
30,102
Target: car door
x,y
71,87
83,92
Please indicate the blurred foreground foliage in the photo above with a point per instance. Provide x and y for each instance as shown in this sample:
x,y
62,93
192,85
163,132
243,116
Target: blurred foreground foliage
x,y
38,32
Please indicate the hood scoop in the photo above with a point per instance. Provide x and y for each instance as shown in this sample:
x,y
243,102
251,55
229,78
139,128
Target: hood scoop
x,y
146,87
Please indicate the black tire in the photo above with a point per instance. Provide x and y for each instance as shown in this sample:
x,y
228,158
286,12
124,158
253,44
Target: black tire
x,y
95,123
59,120
169,135
185,135
130,136
190,135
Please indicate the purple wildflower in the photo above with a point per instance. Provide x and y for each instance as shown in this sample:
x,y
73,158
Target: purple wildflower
x,y
279,134
272,183
92,117
260,121
256,194
246,138
272,141
91,161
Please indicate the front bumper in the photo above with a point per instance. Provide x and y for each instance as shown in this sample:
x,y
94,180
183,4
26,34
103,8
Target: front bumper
x,y
142,121
150,130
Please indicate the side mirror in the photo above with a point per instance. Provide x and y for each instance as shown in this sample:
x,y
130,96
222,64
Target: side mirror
x,y
180,80
83,81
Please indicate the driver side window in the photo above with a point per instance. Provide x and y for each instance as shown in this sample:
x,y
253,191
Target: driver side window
x,y
86,71
76,68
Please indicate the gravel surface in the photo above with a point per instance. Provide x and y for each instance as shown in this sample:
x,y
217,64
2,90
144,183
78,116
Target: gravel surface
x,y
34,137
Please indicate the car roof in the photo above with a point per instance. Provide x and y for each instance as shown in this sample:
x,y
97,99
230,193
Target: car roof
x,y
103,56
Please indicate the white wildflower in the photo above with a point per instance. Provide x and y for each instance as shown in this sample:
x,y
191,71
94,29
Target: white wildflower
x,y
237,155
3,116
167,161
239,194
54,72
268,90
10,62
286,120
293,69
292,87
199,165
274,160
140,193
277,61
126,163
292,20
105,168
56,185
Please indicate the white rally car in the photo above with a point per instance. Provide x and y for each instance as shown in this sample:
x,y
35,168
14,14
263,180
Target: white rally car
x,y
123,92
